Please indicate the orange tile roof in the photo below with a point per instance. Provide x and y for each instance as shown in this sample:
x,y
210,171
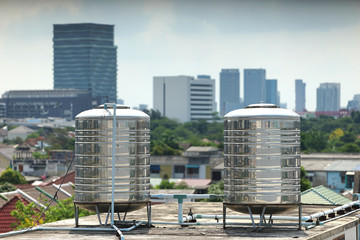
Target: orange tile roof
x,y
5,217
70,177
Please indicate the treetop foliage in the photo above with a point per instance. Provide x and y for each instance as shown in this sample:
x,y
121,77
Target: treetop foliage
x,y
11,176
327,134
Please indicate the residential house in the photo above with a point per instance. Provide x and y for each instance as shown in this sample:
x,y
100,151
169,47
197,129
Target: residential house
x,y
195,163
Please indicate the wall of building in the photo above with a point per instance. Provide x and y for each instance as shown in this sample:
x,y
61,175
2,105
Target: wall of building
x,y
336,181
351,233
184,98
171,97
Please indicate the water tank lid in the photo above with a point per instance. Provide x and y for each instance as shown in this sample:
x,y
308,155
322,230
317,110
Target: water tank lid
x,y
262,110
122,111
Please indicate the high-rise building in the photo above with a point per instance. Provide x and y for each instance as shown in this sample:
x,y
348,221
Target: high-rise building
x,y
184,98
354,104
300,98
271,91
85,58
229,90
254,86
328,97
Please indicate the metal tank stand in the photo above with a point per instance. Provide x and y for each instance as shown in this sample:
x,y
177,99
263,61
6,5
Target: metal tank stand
x,y
262,222
121,221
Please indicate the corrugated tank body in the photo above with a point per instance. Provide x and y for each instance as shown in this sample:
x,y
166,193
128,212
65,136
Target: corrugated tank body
x,y
262,159
93,159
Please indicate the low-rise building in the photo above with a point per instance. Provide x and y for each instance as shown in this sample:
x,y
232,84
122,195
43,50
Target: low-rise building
x,y
334,171
195,163
63,103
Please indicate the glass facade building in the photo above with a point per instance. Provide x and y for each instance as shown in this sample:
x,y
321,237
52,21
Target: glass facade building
x,y
300,98
85,58
254,86
229,90
272,91
328,97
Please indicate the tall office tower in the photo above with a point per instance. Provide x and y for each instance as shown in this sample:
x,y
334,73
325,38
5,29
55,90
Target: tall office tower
x,y
184,98
271,91
254,86
328,97
300,98
354,104
229,90
85,58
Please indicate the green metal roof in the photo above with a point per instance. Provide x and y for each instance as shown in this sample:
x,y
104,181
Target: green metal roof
x,y
323,195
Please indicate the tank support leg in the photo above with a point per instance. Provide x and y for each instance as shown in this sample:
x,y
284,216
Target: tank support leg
x,y
270,220
148,208
98,214
262,218
107,216
76,212
252,218
224,216
119,216
124,216
300,216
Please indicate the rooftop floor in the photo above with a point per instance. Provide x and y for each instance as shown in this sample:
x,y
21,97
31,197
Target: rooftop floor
x,y
169,213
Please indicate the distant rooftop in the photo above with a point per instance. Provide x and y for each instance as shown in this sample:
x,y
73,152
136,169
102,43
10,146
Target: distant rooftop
x,y
323,195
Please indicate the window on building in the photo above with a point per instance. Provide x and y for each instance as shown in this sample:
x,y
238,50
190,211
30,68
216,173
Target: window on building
x,y
155,171
179,171
192,171
342,176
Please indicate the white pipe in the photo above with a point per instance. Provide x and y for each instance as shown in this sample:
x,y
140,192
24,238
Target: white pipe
x,y
62,190
113,165
290,218
38,228
323,213
30,198
180,212
119,232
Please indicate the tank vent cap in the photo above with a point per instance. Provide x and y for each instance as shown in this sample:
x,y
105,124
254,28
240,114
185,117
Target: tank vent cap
x,y
111,105
262,105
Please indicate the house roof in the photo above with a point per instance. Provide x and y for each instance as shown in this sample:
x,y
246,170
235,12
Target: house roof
x,y
70,177
39,196
195,183
201,149
330,165
323,195
7,151
21,129
5,217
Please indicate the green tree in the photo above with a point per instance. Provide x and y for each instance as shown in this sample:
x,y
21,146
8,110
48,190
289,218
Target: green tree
x,y
181,185
12,176
38,155
26,216
166,184
7,187
305,184
350,148
336,134
217,189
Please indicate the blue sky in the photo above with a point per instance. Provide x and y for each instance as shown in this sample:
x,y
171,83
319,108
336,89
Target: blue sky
x,y
317,41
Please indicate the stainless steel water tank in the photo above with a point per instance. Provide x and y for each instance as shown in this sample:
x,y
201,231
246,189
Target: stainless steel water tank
x,y
262,159
93,159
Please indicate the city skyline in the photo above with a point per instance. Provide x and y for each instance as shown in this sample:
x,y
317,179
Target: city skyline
x,y
290,39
